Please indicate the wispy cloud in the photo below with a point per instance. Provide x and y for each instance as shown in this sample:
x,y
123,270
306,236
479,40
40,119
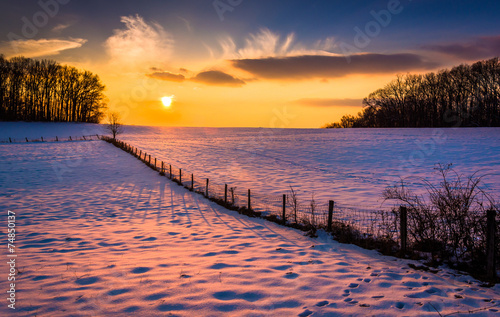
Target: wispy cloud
x,y
60,27
39,48
317,66
266,43
479,48
217,78
326,102
139,44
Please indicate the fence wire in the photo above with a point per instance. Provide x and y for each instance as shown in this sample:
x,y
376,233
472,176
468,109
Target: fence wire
x,y
93,137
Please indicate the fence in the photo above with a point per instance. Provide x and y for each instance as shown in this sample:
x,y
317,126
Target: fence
x,y
386,229
93,137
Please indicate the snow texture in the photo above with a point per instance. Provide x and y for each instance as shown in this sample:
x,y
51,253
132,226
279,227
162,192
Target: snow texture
x,y
101,234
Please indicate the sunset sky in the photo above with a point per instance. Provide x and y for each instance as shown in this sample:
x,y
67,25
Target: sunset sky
x,y
253,63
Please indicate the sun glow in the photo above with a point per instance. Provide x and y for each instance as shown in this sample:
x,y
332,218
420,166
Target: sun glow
x,y
167,101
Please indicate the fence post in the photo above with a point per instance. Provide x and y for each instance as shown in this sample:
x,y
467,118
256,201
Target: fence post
x,y
180,176
83,138
10,141
249,201
149,159
331,205
192,181
170,171
42,138
403,228
140,154
155,162
225,193
490,244
26,139
283,217
57,140
162,168
206,189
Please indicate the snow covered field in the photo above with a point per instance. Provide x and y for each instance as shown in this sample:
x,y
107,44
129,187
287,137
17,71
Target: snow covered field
x,y
350,166
101,234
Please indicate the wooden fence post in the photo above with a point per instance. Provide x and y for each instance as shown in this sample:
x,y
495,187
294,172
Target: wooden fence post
x,y
192,181
162,168
331,205
206,189
249,201
490,244
225,193
10,141
26,139
180,176
42,138
170,171
149,159
140,154
155,162
403,228
283,217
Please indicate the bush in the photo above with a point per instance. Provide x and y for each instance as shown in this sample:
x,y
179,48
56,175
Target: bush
x,y
449,221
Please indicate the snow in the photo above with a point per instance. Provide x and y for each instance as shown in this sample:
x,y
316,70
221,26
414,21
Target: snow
x,y
350,166
99,233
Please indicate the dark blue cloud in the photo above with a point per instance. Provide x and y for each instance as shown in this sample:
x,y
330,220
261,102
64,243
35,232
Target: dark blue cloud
x,y
305,67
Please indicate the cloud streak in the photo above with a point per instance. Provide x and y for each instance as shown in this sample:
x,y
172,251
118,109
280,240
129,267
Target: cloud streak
x,y
479,48
326,102
318,66
39,48
217,78
167,76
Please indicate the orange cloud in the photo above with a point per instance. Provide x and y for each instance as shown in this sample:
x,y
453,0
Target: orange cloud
x,y
39,48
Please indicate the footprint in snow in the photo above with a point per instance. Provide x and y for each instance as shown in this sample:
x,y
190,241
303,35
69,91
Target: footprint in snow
x,y
291,275
87,280
322,303
140,270
305,313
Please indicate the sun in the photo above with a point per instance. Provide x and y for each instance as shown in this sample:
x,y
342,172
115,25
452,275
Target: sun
x,y
167,101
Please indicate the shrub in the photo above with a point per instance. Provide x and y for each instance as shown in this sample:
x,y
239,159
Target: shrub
x,y
448,220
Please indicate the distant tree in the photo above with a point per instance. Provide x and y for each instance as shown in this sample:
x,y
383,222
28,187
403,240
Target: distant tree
x,y
466,95
114,125
43,90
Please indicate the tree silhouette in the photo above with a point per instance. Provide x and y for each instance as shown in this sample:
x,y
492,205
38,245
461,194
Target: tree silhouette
x,y
466,95
42,90
114,125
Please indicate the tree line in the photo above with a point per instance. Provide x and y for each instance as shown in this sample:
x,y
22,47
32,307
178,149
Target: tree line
x,y
466,95
43,90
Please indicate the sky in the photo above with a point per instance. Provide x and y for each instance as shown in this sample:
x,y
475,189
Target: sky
x,y
248,63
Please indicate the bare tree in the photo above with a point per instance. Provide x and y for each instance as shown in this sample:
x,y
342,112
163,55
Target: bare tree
x,y
114,124
466,95
43,90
